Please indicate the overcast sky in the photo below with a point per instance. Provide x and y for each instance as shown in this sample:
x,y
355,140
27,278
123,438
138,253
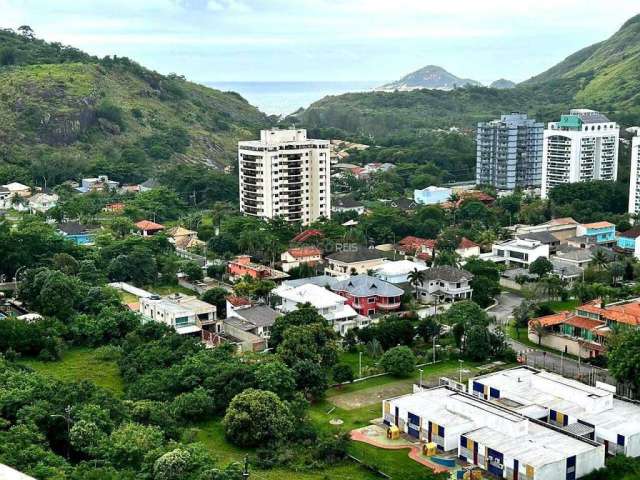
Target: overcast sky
x,y
253,40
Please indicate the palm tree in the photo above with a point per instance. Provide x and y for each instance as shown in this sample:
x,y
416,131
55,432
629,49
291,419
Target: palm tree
x,y
600,259
416,278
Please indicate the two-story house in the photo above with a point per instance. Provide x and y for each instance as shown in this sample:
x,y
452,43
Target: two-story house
x,y
294,257
445,284
353,261
369,295
517,252
185,313
629,242
601,234
242,265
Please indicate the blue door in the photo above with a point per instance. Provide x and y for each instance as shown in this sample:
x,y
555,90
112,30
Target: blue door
x,y
571,468
496,462
413,427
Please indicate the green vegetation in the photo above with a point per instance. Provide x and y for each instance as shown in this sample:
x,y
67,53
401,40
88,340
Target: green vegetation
x,y
80,115
79,364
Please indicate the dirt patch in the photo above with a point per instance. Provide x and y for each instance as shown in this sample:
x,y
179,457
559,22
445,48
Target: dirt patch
x,y
368,396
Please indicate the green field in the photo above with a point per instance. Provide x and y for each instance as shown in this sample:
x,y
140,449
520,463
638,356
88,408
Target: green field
x,y
81,364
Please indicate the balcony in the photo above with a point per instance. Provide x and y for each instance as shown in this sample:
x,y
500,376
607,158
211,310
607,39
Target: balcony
x,y
388,306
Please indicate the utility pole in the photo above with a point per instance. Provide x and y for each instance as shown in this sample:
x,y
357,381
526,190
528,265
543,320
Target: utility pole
x,y
420,379
360,364
434,349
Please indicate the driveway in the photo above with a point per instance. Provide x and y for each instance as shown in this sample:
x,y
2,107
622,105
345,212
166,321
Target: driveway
x,y
507,301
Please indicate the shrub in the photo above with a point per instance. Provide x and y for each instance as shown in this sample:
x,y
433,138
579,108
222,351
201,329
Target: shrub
x,y
399,361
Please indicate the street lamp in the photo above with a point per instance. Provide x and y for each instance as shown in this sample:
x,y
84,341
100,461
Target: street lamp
x,y
434,349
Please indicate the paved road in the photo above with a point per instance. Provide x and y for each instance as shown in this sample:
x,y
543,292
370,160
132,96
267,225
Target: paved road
x,y
557,363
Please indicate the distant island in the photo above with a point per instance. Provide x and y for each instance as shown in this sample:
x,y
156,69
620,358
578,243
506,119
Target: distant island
x,y
432,77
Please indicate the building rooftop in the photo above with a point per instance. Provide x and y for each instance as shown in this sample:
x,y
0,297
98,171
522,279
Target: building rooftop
x,y
365,286
560,221
542,237
302,252
320,280
632,233
148,225
447,273
399,267
520,243
259,315
317,296
598,225
359,254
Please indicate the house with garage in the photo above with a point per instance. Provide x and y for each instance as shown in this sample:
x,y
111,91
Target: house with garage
x,y
504,443
591,412
369,295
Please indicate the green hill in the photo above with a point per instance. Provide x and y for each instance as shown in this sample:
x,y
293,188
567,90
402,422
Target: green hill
x,y
604,76
64,114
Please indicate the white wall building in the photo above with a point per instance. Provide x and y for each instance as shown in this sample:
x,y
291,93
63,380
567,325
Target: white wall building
x,y
590,412
331,306
634,181
491,436
582,146
285,174
397,271
185,313
518,252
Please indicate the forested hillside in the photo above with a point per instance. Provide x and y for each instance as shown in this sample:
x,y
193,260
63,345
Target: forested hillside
x,y
64,114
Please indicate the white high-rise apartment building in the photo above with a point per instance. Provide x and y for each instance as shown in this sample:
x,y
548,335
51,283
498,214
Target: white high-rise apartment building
x,y
634,180
582,146
285,174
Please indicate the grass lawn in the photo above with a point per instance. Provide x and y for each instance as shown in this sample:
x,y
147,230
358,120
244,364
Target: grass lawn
x,y
562,306
126,297
352,359
169,289
80,364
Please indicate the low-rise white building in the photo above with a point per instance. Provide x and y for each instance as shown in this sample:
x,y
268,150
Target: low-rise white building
x,y
185,313
41,202
445,284
331,306
432,195
397,271
518,252
595,413
505,443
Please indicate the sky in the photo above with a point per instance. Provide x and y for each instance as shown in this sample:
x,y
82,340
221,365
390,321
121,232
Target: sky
x,y
326,40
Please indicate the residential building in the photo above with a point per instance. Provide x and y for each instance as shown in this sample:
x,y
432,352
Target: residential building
x,y
18,189
42,202
147,228
601,234
445,284
285,174
333,307
634,180
432,195
629,242
591,412
353,260
347,204
76,232
249,326
423,249
184,238
580,257
505,443
242,265
369,295
509,152
403,204
326,281
517,252
116,207
582,146
465,195
309,235
97,184
186,314
543,237
296,256
561,228
397,271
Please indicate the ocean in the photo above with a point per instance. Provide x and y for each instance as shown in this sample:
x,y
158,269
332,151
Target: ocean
x,y
283,98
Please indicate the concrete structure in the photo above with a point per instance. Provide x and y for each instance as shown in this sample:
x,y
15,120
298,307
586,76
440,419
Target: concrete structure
x,y
629,242
242,265
185,313
42,202
250,325
582,146
294,257
445,284
506,444
285,174
543,237
561,228
596,234
583,332
432,195
517,252
423,248
333,307
634,180
398,271
592,412
369,295
76,232
353,260
509,152
97,184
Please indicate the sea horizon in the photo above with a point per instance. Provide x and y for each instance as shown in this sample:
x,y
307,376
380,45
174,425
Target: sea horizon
x,y
286,97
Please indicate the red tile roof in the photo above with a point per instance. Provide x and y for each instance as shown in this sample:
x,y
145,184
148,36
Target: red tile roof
x,y
466,243
306,235
582,322
304,252
598,225
238,301
550,320
149,225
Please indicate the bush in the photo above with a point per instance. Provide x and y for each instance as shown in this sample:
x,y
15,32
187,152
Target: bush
x,y
342,373
111,112
399,361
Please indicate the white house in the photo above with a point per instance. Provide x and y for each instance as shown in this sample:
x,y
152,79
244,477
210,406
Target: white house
x,y
185,313
505,443
98,183
331,306
41,202
518,252
398,271
445,284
